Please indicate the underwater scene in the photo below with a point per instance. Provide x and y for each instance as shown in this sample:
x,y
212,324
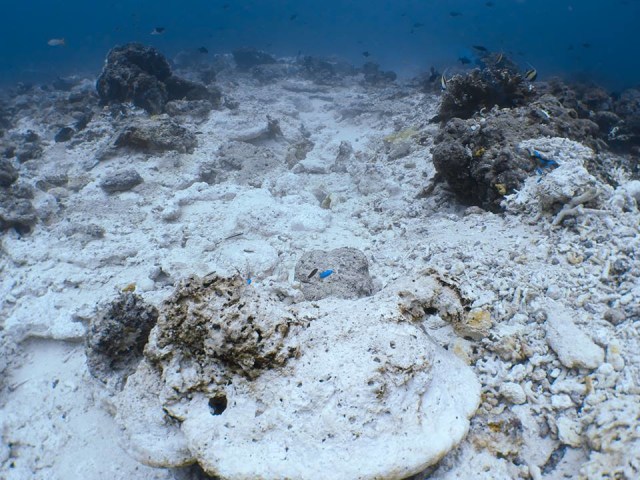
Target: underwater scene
x,y
315,240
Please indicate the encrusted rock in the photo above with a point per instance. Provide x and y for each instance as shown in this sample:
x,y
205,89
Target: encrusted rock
x,y
244,162
189,109
513,392
615,316
16,210
248,387
325,70
569,431
8,173
121,181
474,324
116,337
143,76
59,179
156,136
349,277
64,134
574,347
28,147
135,73
244,340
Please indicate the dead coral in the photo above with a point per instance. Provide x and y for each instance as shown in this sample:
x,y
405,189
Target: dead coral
x,y
468,94
480,159
216,327
117,336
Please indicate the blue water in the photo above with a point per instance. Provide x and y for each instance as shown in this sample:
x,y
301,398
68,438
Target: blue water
x,y
584,39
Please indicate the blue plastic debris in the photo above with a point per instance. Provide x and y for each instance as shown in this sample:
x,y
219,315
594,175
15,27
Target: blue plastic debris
x,y
248,281
544,162
325,274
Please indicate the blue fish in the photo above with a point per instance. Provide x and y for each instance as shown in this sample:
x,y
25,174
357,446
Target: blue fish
x,y
325,274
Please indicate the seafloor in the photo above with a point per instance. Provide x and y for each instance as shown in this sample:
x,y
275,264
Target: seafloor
x,y
259,192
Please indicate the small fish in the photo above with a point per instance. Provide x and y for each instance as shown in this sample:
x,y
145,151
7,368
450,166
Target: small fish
x,y
366,54
293,17
490,4
443,83
455,14
225,6
325,274
313,272
531,74
545,114
480,48
418,25
586,45
203,50
500,58
158,31
464,60
57,42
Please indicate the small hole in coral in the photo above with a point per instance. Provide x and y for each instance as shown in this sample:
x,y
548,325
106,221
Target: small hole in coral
x,y
218,404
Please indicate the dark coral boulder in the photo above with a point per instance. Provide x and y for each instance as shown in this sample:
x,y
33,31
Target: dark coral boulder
x,y
116,338
480,89
134,72
480,158
142,75
8,173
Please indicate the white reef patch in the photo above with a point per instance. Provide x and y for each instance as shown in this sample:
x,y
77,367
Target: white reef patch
x,y
368,393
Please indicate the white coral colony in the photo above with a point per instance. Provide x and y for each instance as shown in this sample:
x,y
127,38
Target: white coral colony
x,y
355,389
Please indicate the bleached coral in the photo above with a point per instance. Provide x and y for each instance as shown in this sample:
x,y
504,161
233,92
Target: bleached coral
x,y
251,388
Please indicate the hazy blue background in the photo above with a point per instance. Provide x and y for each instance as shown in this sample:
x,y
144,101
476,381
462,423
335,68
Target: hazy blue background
x,y
550,34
